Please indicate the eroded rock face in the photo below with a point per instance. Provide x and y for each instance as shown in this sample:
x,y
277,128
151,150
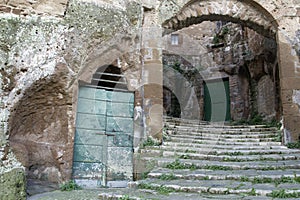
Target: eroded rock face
x,y
25,7
241,54
39,127
42,59
12,184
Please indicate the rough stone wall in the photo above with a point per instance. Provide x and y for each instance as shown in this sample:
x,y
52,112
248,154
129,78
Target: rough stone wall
x,y
39,7
29,53
233,51
42,60
282,16
265,97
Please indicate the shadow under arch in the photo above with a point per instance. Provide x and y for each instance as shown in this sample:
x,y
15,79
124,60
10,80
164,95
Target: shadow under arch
x,y
171,104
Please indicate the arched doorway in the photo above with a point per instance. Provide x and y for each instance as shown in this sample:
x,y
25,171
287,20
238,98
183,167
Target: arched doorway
x,y
103,144
251,94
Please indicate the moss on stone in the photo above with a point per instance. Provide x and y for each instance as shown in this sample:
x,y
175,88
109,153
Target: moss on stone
x,y
12,185
93,21
97,22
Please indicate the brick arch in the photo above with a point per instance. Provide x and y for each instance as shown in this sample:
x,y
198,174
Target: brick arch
x,y
249,14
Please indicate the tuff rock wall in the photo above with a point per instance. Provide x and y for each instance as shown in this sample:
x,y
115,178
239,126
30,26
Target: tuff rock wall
x,y
46,47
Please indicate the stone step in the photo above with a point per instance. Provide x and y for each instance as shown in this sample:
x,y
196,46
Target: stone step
x,y
233,158
224,147
269,134
223,165
254,176
147,194
217,186
216,151
221,130
181,120
256,128
225,139
225,142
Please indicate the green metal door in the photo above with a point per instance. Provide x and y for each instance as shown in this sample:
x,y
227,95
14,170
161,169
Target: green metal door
x,y
103,145
216,100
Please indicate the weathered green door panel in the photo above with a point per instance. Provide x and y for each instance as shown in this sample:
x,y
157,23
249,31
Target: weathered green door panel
x,y
90,121
119,170
104,118
119,139
216,100
119,109
119,124
90,142
116,96
120,143
92,93
98,108
90,137
88,153
88,170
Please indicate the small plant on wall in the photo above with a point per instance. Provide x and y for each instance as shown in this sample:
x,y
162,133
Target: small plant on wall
x,y
151,142
69,186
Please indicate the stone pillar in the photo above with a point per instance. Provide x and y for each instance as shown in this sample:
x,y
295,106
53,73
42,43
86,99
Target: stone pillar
x,y
290,85
152,74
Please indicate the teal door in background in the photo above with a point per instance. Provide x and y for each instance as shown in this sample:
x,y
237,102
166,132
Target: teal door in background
x,y
216,100
103,144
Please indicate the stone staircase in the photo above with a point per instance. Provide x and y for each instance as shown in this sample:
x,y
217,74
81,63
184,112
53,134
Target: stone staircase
x,y
215,161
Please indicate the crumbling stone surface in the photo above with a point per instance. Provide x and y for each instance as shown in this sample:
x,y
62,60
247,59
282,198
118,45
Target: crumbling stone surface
x,y
237,52
40,7
12,176
29,49
13,184
41,60
38,133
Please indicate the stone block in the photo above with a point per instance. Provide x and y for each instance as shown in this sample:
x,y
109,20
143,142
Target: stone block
x,y
289,109
153,91
286,96
290,83
153,74
291,123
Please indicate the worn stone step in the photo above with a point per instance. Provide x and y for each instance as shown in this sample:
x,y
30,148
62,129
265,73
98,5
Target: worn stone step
x,y
176,119
228,129
147,194
242,175
204,150
220,146
210,124
226,142
233,158
218,186
225,165
224,139
213,155
222,131
270,134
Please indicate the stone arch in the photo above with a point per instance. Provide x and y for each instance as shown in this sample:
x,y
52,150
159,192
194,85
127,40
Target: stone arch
x,y
109,76
119,52
249,14
246,13
39,128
